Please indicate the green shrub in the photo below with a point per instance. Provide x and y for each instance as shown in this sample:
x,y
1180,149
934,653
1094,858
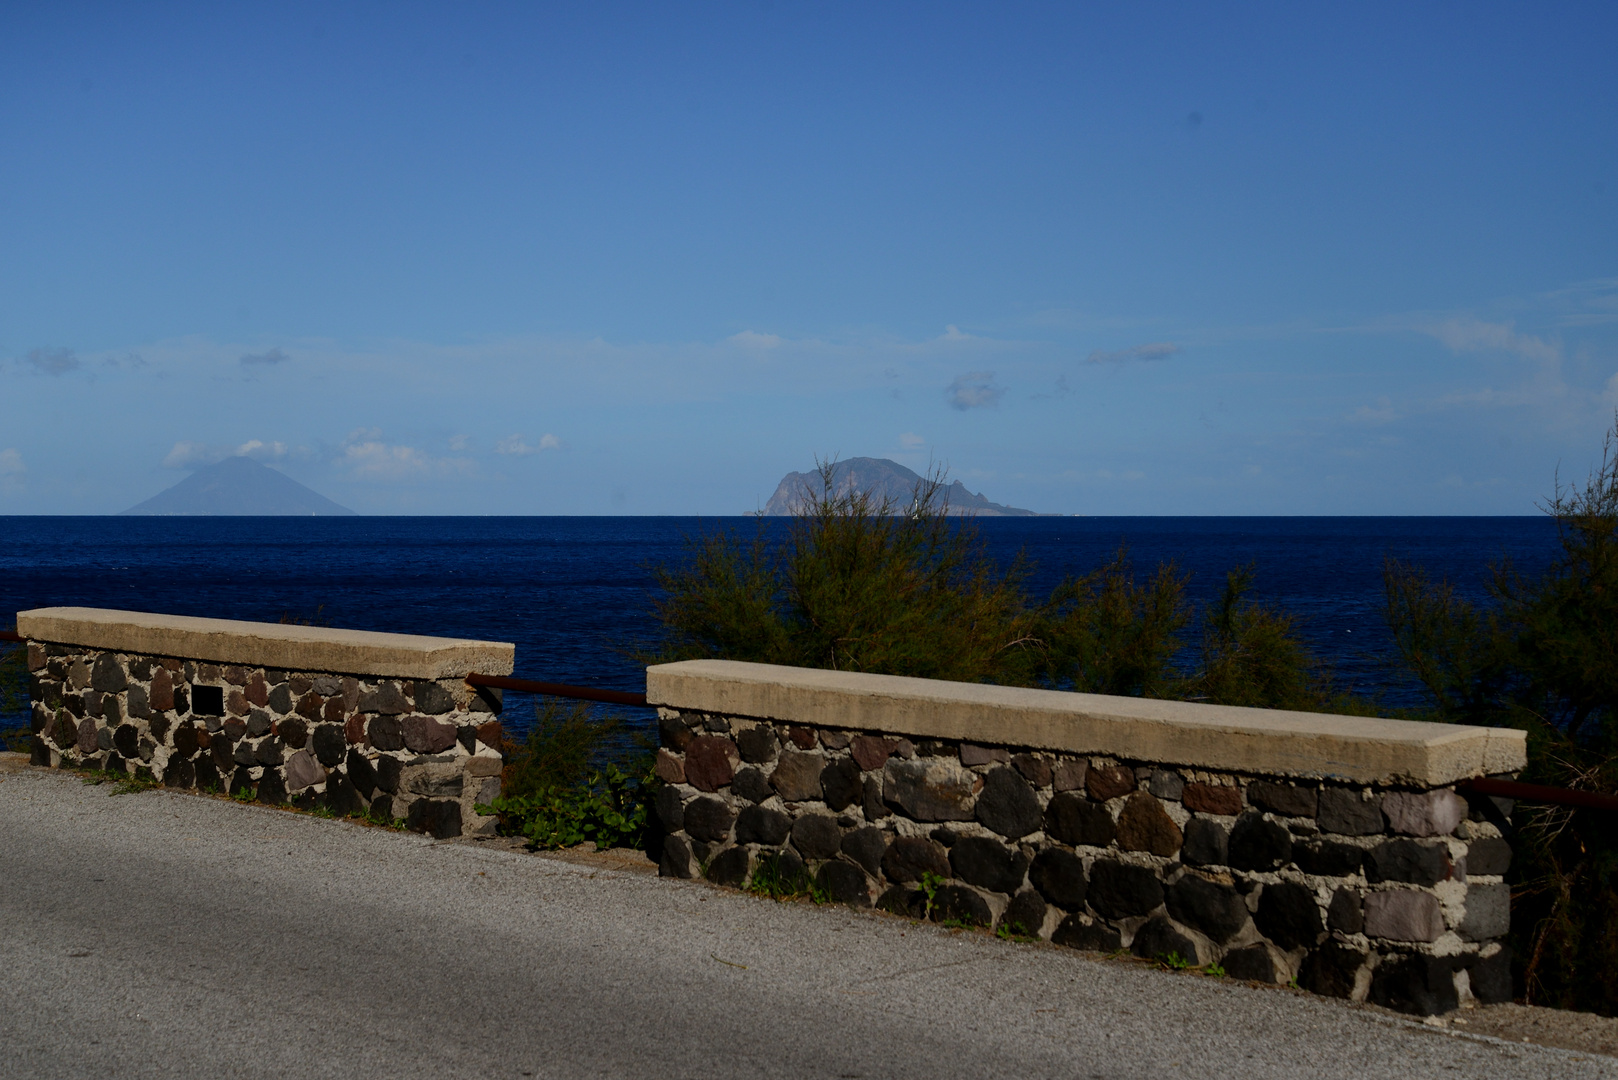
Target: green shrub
x,y
866,584
562,787
1539,656
13,697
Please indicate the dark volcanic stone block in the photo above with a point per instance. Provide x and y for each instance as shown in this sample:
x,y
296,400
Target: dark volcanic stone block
x,y
1288,915
1025,915
427,734
1328,858
751,784
1212,799
866,846
1415,861
1206,843
957,903
1076,933
385,733
758,825
1346,912
388,771
108,675
127,740
674,734
1256,844
1110,782
439,818
1058,874
817,836
430,697
840,784
1118,890
731,867
1491,978
909,857
179,773
756,744
1346,811
360,773
1216,910
272,790
1491,856
330,744
1161,938
294,731
1331,970
988,864
796,777
1073,819
708,818
1008,805
670,809
1284,800
1144,825
845,883
341,798
677,860
904,900
1415,983
710,762
1252,962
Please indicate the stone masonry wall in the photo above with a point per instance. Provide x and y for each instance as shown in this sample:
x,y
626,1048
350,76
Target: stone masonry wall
x,y
1386,894
422,751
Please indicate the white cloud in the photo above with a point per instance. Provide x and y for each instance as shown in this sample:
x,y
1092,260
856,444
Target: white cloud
x,y
953,333
53,361
1157,350
751,339
459,442
518,445
911,441
1381,413
974,390
193,455
274,356
1475,335
367,457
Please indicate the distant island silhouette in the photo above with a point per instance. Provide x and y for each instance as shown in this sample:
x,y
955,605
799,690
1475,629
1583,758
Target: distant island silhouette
x,y
238,487
881,479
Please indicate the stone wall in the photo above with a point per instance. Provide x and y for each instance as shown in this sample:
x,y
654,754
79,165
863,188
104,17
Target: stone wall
x,y
1356,886
342,735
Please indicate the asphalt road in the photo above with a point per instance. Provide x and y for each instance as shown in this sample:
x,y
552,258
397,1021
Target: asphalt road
x,y
169,935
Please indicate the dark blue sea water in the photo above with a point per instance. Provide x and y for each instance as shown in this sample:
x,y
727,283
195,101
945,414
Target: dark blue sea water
x,y
574,593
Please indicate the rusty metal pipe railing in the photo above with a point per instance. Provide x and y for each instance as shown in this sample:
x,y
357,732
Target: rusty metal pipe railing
x,y
530,686
1539,793
11,635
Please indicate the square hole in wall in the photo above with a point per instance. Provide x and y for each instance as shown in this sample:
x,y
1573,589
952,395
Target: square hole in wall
x,y
208,700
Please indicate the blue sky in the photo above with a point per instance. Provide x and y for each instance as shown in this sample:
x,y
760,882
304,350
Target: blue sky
x,y
581,259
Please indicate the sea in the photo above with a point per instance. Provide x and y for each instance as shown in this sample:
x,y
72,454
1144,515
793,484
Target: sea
x,y
576,594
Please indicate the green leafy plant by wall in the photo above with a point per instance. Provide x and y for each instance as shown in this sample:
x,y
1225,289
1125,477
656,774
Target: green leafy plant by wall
x,y
14,736
1540,656
573,781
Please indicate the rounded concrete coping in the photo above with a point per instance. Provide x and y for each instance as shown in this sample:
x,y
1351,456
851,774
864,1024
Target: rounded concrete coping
x,y
271,645
1267,742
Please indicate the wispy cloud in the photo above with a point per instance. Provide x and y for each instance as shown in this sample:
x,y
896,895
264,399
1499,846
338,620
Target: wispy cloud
x,y
911,441
49,361
974,390
366,456
1381,413
1157,350
1475,335
517,445
194,455
752,339
274,356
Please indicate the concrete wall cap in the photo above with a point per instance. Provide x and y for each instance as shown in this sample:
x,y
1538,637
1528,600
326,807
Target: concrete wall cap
x,y
1267,742
272,645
